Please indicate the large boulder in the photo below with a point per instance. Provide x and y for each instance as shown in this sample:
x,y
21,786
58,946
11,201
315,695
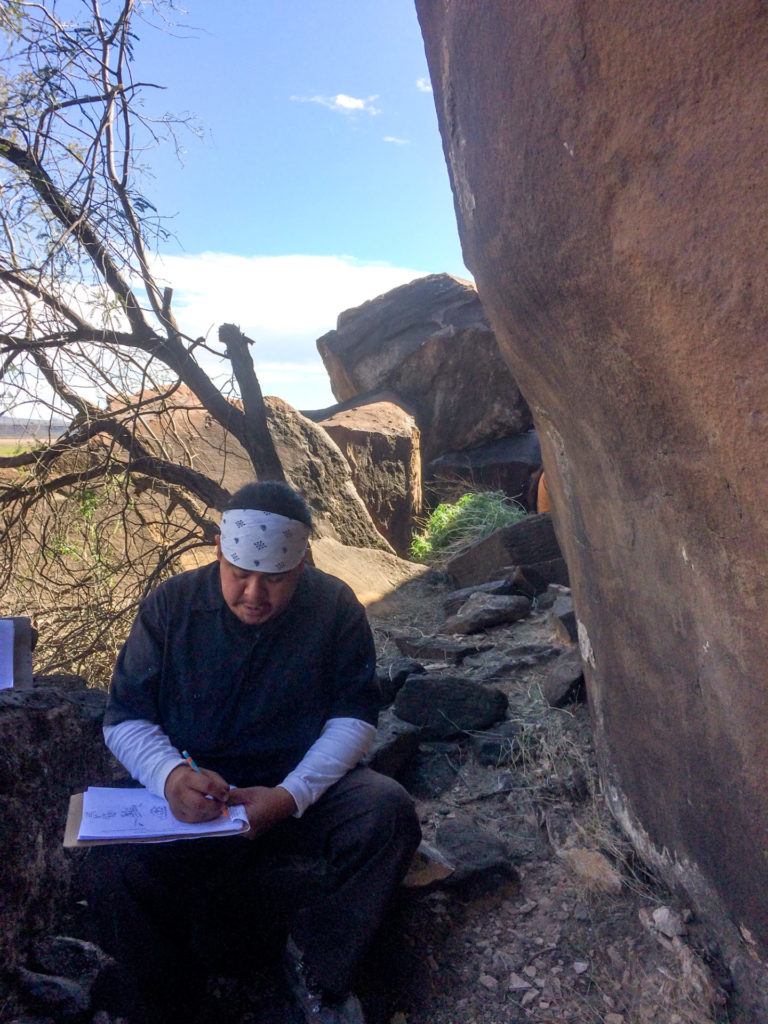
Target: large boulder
x,y
431,343
610,171
380,442
314,465
311,461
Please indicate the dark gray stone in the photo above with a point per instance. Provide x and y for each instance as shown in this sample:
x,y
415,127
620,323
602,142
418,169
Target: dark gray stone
x,y
436,648
447,706
68,957
498,746
503,465
64,999
52,738
453,601
431,772
564,683
503,664
482,861
484,611
392,677
551,594
563,619
395,744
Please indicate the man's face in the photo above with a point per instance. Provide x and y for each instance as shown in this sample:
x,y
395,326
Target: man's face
x,y
254,597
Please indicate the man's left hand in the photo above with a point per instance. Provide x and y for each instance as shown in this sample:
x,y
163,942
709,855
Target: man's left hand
x,y
264,805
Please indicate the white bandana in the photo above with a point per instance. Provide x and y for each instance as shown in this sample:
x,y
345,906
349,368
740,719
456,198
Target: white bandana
x,y
262,541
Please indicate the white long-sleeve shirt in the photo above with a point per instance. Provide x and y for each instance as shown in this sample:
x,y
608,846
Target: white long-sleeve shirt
x,y
149,756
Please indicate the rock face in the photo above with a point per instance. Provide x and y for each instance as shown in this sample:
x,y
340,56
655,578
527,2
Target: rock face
x,y
311,461
316,468
430,342
503,465
609,167
51,732
380,441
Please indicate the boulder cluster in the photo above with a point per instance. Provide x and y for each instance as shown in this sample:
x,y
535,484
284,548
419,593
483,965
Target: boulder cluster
x,y
407,369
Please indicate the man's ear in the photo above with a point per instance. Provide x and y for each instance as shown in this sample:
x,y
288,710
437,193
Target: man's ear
x,y
218,547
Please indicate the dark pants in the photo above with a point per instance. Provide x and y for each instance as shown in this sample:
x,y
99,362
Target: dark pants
x,y
170,912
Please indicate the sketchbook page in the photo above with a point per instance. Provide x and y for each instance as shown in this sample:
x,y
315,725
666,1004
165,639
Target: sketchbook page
x,y
137,814
6,654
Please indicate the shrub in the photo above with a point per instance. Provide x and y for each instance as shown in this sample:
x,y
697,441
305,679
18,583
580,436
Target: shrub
x,y
453,527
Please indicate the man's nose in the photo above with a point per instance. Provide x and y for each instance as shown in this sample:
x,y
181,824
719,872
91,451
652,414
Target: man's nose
x,y
255,589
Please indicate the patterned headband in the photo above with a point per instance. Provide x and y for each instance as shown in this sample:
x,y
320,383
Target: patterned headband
x,y
262,541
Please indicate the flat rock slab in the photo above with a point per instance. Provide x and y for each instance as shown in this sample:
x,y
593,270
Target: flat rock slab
x,y
483,611
435,648
502,664
505,586
530,541
447,706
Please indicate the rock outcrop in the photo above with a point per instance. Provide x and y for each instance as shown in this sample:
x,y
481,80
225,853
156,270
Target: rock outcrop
x,y
502,465
430,342
610,173
310,459
50,746
380,441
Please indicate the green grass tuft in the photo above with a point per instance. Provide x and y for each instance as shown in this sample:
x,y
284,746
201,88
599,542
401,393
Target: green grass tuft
x,y
452,527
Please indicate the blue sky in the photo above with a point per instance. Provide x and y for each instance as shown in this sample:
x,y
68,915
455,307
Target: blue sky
x,y
319,180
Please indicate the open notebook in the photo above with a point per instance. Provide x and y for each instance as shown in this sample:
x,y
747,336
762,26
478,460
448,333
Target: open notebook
x,y
102,815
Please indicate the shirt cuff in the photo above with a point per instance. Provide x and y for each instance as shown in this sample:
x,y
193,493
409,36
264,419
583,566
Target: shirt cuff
x,y
145,751
340,746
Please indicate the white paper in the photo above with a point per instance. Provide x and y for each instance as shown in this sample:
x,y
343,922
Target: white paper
x,y
6,654
136,813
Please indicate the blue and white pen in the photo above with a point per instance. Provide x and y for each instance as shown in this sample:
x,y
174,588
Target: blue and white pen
x,y
188,758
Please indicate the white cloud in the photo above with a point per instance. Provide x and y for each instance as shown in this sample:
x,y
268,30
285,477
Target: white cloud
x,y
396,141
423,85
283,303
342,103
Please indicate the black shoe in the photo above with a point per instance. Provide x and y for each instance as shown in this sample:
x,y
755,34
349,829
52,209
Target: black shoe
x,y
317,1004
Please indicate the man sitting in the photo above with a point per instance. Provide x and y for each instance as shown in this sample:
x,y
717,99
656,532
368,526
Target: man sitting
x,y
262,667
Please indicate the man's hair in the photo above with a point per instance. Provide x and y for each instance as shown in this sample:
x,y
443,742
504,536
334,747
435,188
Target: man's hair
x,y
272,496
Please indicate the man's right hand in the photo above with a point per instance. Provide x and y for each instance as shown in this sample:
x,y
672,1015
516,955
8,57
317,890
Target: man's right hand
x,y
195,796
